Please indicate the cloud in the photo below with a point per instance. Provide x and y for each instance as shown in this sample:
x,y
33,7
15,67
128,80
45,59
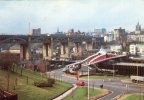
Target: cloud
x,y
66,14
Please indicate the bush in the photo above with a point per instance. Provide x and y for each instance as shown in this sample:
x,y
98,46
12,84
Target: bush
x,y
42,84
51,80
48,83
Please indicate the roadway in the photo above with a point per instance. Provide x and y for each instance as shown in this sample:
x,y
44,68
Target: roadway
x,y
116,86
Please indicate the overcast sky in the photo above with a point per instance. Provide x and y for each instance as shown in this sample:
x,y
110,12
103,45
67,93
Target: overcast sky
x,y
84,15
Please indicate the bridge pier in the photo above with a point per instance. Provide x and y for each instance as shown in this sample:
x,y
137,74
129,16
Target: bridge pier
x,y
64,50
48,49
78,48
24,52
45,51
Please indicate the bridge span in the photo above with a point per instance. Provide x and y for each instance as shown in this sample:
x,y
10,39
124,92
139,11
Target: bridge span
x,y
66,43
92,60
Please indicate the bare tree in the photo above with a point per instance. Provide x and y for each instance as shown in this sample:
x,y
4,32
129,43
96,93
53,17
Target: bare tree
x,y
6,62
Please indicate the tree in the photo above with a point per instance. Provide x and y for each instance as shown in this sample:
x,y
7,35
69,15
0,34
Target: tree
x,y
7,60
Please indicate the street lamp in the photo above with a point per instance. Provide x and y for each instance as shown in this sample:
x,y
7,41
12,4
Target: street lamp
x,y
137,74
88,83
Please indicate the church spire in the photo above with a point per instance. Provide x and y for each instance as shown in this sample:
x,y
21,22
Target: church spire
x,y
138,27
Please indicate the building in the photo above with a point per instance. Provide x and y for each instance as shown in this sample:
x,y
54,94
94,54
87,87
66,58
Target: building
x,y
119,34
99,32
36,32
116,48
108,37
135,37
136,49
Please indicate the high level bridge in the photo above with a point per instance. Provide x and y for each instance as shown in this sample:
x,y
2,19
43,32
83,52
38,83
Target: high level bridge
x,y
25,42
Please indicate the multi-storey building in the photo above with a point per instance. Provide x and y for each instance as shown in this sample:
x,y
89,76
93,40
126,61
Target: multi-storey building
x,y
36,31
119,34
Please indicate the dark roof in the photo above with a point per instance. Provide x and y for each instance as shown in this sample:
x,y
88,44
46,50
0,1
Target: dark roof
x,y
130,64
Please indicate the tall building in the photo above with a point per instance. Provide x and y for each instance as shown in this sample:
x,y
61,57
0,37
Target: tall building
x,y
119,34
36,32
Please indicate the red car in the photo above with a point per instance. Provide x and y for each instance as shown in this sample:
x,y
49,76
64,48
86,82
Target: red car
x,y
80,83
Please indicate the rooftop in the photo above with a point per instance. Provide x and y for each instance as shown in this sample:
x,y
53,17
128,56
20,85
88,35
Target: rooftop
x,y
130,64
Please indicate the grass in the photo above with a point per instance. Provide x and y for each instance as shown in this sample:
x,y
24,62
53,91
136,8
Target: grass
x,y
81,93
105,77
29,91
132,97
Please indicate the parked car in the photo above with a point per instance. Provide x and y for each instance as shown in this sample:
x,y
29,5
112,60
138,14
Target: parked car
x,y
80,83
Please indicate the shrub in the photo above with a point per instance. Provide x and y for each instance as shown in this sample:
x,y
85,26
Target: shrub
x,y
42,84
51,80
48,83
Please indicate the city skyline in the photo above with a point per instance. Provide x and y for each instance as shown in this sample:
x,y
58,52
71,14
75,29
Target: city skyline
x,y
83,15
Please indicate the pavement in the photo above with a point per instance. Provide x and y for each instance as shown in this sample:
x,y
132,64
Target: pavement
x,y
66,93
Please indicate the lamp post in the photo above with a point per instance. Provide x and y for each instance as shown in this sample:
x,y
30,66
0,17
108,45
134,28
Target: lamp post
x,y
137,74
88,82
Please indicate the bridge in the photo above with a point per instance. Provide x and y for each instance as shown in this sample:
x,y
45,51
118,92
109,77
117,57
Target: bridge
x,y
92,60
79,42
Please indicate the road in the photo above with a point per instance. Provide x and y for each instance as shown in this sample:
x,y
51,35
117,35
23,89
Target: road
x,y
116,86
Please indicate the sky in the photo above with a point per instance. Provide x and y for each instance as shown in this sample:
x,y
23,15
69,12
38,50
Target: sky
x,y
83,15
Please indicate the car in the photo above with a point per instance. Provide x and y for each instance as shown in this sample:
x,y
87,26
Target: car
x,y
80,83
